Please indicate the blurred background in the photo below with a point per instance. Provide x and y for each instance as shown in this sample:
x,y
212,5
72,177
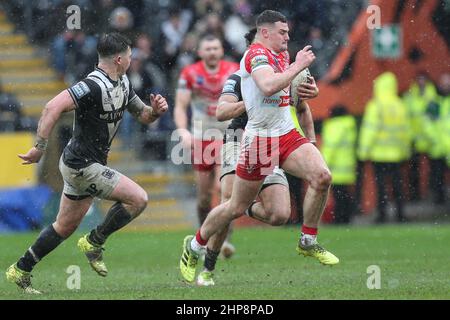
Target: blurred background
x,y
382,116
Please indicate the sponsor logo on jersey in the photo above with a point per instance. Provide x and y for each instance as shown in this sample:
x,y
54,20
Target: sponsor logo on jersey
x,y
107,100
200,80
112,116
108,174
282,101
80,90
259,61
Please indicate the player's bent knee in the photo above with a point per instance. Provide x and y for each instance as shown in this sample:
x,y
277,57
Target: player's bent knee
x,y
237,214
280,217
237,211
226,196
66,230
143,200
140,202
322,180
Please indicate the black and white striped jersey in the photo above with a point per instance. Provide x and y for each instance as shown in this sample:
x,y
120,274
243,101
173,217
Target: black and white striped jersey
x,y
233,87
100,104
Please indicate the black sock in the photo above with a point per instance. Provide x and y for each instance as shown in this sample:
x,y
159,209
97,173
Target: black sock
x,y
211,259
202,213
46,242
116,218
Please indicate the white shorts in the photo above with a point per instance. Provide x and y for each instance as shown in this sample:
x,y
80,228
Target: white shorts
x,y
95,180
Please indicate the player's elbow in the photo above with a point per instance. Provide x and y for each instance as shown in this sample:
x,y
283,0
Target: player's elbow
x,y
221,118
268,89
220,115
52,108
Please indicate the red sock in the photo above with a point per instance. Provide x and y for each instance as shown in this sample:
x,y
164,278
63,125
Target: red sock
x,y
199,239
308,230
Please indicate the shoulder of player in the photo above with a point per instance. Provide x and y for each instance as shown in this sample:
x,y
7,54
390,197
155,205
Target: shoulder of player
x,y
192,69
93,85
258,48
234,76
125,78
100,80
83,88
197,67
257,51
230,64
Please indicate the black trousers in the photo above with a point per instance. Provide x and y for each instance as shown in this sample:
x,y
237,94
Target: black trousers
x,y
437,179
359,187
382,172
414,177
344,204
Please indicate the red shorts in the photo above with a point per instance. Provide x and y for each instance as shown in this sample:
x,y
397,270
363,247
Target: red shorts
x,y
259,155
206,154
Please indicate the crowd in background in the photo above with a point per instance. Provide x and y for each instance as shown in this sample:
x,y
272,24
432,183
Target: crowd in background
x,y
398,136
394,130
165,35
173,27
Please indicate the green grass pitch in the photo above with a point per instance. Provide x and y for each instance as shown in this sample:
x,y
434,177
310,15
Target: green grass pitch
x,y
413,259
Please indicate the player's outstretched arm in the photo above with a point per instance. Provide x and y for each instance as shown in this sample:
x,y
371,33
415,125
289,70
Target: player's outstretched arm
x,y
229,107
52,112
270,82
147,114
306,121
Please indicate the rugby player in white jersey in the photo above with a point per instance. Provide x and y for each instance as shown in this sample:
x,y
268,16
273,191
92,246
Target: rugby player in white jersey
x,y
270,139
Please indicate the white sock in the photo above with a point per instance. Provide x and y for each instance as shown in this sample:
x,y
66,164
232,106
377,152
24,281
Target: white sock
x,y
197,247
308,239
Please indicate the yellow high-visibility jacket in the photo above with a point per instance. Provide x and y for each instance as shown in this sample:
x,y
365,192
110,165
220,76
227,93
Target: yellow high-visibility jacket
x,y
434,127
338,147
385,134
295,119
416,104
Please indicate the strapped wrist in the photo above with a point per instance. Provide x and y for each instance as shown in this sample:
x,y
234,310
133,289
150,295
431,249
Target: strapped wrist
x,y
153,114
41,143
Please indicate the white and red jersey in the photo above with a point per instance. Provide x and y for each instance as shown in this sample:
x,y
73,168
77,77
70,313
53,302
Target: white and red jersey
x,y
267,116
206,88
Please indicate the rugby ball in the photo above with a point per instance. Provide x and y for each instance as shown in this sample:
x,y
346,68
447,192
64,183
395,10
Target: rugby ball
x,y
302,77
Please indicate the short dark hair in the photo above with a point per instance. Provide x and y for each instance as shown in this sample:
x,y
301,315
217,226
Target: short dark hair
x,y
112,43
208,37
250,36
270,16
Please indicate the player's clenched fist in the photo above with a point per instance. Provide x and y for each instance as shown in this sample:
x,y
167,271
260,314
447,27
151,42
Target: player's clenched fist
x,y
159,104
